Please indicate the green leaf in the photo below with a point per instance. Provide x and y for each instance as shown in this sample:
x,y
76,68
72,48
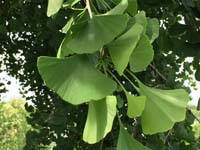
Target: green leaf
x,y
152,29
136,105
141,19
64,50
127,142
68,25
53,7
93,34
70,3
163,108
142,55
100,119
119,9
132,7
75,79
59,53
121,49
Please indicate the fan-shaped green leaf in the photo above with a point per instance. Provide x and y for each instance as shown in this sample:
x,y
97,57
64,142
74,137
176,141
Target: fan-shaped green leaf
x,y
152,29
96,32
119,9
136,105
68,25
53,7
121,49
70,3
75,79
142,55
163,108
100,119
127,142
132,7
141,19
64,50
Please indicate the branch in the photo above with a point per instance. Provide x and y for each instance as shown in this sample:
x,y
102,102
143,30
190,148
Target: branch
x,y
168,135
156,70
193,115
89,8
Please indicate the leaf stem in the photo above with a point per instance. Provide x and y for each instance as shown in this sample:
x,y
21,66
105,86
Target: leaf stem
x,y
116,80
89,8
104,69
158,72
137,89
195,117
133,75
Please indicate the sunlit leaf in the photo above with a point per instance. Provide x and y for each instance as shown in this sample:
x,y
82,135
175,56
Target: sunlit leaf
x,y
93,34
127,142
119,9
136,105
163,108
100,119
142,55
75,79
152,29
121,49
53,7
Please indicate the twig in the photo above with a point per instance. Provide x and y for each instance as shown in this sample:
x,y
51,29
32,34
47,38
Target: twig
x,y
160,74
193,115
167,136
89,8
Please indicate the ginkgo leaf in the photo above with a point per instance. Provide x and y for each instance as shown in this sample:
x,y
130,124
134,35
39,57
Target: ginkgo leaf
x,y
70,3
136,105
75,79
53,7
64,49
122,48
59,53
152,29
127,142
93,34
119,9
141,19
68,25
163,108
132,7
100,119
142,55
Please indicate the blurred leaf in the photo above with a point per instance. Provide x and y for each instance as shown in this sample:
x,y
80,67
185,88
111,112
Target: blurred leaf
x,y
119,9
152,29
53,7
68,25
70,3
132,7
127,142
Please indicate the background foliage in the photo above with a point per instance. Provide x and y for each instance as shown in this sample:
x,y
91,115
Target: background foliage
x,y
13,125
26,30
